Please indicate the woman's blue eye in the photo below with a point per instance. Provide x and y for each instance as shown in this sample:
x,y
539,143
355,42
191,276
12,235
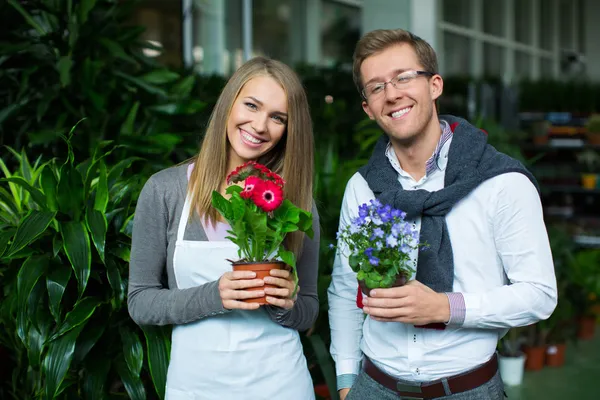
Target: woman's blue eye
x,y
251,105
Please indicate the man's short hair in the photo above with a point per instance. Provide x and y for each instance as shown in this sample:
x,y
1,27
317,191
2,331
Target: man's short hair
x,y
380,39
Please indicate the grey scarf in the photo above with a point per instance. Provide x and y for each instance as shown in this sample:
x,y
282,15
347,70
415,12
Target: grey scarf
x,y
470,162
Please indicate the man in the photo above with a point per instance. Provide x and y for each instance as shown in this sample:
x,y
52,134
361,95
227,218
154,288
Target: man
x,y
488,267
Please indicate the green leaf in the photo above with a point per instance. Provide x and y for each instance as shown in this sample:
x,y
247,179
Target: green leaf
x,y
238,207
159,77
70,192
64,70
116,50
81,312
114,279
27,17
29,274
38,335
97,226
184,87
84,9
287,257
287,212
158,346
132,350
57,244
127,127
57,361
354,261
4,238
189,107
222,205
56,283
36,194
95,376
76,244
88,339
117,170
133,384
231,189
32,226
48,183
141,84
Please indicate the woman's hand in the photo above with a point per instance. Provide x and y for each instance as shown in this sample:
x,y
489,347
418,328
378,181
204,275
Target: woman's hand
x,y
281,294
232,287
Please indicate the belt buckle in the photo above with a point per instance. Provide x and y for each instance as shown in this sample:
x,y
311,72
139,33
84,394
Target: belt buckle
x,y
400,387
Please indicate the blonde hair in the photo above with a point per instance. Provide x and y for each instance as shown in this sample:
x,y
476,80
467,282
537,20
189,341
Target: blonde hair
x,y
292,157
380,39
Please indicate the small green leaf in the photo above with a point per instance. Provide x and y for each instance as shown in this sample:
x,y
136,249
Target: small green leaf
x,y
159,77
116,50
354,261
32,226
97,226
132,350
64,70
48,183
84,9
76,244
141,84
36,194
222,205
127,127
29,274
88,339
184,87
114,279
158,346
57,361
56,283
81,312
70,192
133,383
57,244
95,377
287,257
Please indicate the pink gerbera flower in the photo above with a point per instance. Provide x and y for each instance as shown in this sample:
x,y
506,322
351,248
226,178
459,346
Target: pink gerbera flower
x,y
250,184
267,195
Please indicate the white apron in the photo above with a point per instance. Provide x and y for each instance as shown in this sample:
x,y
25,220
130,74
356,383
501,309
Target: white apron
x,y
238,355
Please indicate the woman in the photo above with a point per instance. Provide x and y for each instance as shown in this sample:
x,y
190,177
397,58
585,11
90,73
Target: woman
x,y
222,347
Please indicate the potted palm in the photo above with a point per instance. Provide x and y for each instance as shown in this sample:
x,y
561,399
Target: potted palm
x,y
511,359
585,275
260,218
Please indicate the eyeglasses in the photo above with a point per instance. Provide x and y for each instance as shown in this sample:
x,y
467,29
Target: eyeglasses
x,y
373,90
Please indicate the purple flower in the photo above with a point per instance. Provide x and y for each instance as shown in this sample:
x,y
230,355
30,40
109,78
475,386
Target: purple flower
x,y
363,210
331,246
379,245
376,203
405,248
369,252
396,229
415,235
374,261
391,241
377,233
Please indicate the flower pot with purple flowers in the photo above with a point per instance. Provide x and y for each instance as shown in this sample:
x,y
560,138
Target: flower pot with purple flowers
x,y
379,243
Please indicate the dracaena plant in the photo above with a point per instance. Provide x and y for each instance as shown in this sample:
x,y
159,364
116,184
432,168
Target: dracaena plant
x,y
64,251
259,215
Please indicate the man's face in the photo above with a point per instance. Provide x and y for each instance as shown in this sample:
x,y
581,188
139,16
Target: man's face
x,y
404,112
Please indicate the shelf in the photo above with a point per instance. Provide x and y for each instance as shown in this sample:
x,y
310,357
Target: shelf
x,y
587,241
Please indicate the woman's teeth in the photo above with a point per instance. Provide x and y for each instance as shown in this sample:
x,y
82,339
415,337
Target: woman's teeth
x,y
250,138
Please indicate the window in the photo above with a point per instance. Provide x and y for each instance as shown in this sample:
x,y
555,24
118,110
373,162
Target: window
x,y
493,17
457,12
523,21
523,62
493,60
456,55
271,28
340,30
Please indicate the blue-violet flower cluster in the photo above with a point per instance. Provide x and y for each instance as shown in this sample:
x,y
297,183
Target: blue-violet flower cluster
x,y
379,242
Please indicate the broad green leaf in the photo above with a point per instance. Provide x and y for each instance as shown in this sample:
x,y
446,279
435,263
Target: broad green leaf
x,y
29,274
289,227
33,225
238,207
325,362
88,338
38,336
48,183
133,384
76,244
287,212
116,50
64,70
4,238
161,76
81,312
56,282
114,278
94,378
57,361
118,169
158,346
222,205
231,189
132,350
127,127
57,244
9,202
97,226
141,84
36,194
84,9
184,87
189,107
70,192
127,228
122,252
287,257
27,17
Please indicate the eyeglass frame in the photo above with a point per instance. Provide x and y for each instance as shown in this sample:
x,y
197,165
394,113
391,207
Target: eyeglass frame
x,y
391,81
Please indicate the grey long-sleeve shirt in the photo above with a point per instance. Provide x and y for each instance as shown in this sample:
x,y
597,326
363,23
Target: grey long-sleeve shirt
x,y
153,296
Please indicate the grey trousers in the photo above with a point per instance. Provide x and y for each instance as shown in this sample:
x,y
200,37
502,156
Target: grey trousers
x,y
365,388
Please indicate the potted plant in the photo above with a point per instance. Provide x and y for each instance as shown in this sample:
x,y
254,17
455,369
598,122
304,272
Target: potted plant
x,y
590,160
593,129
511,359
260,218
379,242
585,274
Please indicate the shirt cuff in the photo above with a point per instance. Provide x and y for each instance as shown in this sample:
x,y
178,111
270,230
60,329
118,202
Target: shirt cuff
x,y
345,381
457,309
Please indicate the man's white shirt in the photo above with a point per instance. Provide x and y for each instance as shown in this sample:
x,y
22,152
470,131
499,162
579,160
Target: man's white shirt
x,y
502,266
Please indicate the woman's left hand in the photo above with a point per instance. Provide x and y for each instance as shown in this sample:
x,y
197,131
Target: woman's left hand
x,y
280,295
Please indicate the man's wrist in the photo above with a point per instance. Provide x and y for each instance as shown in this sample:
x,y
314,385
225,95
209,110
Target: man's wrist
x,y
345,381
457,308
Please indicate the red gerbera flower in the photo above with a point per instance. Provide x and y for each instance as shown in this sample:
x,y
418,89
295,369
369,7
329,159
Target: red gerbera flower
x,y
250,184
267,195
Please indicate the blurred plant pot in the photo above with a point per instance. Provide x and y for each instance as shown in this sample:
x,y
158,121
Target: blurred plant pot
x,y
536,357
586,327
588,181
555,355
511,369
400,281
593,138
262,270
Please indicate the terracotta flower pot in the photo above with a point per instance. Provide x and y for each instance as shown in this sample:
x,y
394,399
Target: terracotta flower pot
x,y
536,357
400,281
262,270
586,328
555,355
588,181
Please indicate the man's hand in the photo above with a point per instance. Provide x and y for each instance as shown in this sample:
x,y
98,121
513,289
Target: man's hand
x,y
413,303
280,295
231,289
343,393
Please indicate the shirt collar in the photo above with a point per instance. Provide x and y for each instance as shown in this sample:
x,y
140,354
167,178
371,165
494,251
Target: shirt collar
x,y
439,158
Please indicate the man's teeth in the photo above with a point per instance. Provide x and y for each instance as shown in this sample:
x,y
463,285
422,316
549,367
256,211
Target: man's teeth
x,y
250,138
400,113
